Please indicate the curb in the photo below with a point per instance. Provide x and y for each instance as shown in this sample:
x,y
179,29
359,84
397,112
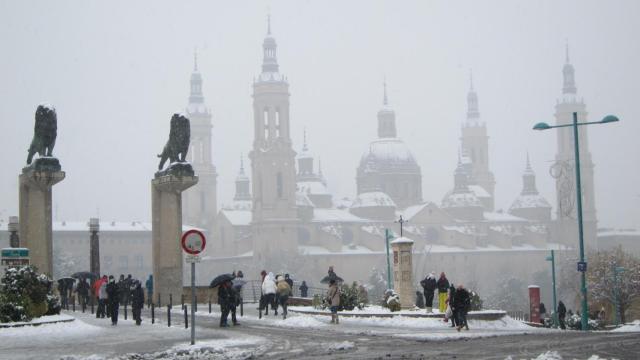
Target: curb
x,y
10,325
471,316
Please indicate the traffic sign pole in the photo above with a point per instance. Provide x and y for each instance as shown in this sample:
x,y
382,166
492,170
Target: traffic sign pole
x,y
193,303
193,243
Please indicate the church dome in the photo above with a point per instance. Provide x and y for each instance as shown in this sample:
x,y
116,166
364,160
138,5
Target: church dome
x,y
388,154
373,199
528,201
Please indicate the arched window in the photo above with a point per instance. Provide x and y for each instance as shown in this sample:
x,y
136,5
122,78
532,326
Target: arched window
x,y
266,122
277,122
279,185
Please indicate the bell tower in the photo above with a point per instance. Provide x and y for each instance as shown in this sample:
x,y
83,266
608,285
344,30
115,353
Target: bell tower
x,y
272,158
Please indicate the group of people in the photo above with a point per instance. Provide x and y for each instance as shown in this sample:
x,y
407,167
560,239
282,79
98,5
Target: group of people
x,y
276,291
561,311
454,302
111,295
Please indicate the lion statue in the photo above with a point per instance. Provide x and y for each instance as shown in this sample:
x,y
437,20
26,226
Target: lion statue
x,y
178,144
45,132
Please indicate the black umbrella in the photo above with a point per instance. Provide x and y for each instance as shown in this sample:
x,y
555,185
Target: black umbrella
x,y
326,279
221,279
84,275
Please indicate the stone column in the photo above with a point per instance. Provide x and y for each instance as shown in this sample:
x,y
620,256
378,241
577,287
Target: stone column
x,y
35,211
403,271
166,207
94,246
14,239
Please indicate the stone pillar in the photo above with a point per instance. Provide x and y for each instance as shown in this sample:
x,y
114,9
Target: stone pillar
x,y
403,271
14,239
166,207
35,211
94,246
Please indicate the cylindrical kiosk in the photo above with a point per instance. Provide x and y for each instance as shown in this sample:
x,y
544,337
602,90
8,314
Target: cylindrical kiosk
x,y
403,271
534,303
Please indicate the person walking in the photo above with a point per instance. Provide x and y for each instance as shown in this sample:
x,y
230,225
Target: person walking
x,y
113,295
562,312
102,298
429,286
461,304
283,290
333,298
543,313
225,299
304,289
289,281
269,291
149,286
83,293
443,288
64,291
128,284
137,301
450,301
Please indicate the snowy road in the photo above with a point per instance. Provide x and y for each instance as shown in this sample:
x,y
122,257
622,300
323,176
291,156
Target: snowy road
x,y
305,336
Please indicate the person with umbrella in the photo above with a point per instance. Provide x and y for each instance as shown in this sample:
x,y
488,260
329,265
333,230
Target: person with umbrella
x,y
113,294
83,292
331,275
237,285
226,299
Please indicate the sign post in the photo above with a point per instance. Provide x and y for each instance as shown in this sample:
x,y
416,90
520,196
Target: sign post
x,y
193,243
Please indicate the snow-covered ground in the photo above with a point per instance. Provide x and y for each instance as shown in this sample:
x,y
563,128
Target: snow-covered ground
x,y
632,327
41,320
554,355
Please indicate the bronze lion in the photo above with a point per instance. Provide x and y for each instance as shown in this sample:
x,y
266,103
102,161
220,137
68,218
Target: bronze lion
x,y
178,145
45,132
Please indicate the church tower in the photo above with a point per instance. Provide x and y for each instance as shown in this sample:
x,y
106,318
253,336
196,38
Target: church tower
x,y
475,146
272,159
564,170
200,202
242,197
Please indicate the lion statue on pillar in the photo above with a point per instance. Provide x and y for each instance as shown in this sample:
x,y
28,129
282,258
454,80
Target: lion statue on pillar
x,y
45,132
178,145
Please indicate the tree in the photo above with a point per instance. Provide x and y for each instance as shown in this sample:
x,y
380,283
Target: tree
x,y
25,294
510,295
602,284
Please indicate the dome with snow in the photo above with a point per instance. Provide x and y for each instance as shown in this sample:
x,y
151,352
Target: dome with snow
x,y
388,154
460,199
530,201
374,205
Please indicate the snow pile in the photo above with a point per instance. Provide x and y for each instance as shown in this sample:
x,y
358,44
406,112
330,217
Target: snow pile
x,y
51,332
554,355
632,327
300,322
345,345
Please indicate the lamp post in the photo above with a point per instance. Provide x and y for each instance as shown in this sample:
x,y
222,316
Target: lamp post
x,y
387,238
616,271
582,265
552,258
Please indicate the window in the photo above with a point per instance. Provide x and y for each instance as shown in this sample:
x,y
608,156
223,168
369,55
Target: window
x,y
139,261
265,117
279,185
123,262
277,122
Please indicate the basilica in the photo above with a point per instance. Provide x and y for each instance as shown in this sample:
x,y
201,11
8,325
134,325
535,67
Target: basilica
x,y
284,205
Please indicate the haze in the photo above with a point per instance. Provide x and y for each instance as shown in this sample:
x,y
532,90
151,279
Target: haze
x,y
117,71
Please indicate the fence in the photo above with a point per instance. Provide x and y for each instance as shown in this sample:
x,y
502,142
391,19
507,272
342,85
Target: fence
x,y
519,315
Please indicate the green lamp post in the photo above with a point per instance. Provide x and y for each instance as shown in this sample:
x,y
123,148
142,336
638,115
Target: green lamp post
x,y
552,258
617,270
582,265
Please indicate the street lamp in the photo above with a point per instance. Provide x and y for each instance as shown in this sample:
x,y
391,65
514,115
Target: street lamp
x,y
552,258
582,265
616,271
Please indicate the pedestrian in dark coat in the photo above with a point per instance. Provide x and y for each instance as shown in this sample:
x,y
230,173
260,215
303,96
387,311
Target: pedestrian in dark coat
x,y
450,301
113,297
226,300
443,288
137,301
543,313
304,289
83,292
562,312
429,286
128,285
461,304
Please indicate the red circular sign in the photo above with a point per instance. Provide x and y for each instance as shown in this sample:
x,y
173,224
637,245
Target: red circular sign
x,y
193,242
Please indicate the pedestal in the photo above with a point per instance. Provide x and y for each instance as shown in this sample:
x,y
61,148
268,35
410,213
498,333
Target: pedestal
x,y
35,211
534,304
403,271
166,203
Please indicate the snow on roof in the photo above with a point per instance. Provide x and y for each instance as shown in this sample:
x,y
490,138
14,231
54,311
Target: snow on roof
x,y
312,187
505,229
106,226
530,201
343,203
502,217
346,249
402,240
393,149
479,191
303,200
460,199
333,230
238,217
463,229
372,199
412,211
377,230
335,215
618,232
537,229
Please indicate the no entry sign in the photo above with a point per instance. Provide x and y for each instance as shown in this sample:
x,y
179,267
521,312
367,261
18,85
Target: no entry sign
x,y
193,242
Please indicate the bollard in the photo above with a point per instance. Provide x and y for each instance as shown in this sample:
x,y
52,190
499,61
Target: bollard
x,y
125,310
182,300
153,314
92,302
169,315
171,300
159,301
73,305
241,307
209,304
186,318
196,304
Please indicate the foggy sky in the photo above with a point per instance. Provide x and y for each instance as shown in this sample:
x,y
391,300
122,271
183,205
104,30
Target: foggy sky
x,y
117,71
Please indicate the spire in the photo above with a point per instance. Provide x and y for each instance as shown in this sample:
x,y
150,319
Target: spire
x,y
269,23
529,180
270,60
243,193
241,164
568,75
195,60
385,100
473,109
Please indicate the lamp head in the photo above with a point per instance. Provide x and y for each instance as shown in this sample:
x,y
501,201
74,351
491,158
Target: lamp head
x,y
609,119
541,126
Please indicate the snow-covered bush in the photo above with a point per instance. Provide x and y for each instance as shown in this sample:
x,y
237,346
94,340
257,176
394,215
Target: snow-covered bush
x,y
574,322
25,294
351,297
476,302
391,300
